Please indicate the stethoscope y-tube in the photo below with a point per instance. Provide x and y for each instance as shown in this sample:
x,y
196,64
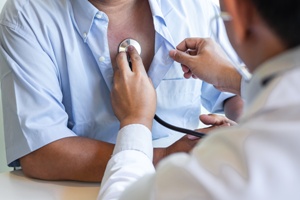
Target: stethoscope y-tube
x,y
123,48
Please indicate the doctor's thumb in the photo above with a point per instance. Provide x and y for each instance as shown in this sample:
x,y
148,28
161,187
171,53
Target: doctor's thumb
x,y
180,56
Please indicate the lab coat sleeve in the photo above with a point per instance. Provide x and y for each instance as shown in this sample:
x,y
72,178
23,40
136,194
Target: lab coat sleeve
x,y
131,160
131,175
214,170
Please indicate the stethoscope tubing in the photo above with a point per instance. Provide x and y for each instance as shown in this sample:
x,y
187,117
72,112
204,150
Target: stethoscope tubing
x,y
178,129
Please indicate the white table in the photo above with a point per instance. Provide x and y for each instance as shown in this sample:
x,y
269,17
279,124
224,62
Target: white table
x,y
15,186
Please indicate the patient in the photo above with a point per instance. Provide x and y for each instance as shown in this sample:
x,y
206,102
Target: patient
x,y
57,76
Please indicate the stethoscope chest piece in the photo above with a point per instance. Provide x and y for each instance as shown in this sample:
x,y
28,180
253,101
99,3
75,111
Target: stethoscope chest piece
x,y
127,42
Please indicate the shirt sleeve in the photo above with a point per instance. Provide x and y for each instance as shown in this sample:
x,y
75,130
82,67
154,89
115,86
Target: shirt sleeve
x,y
34,114
131,160
212,99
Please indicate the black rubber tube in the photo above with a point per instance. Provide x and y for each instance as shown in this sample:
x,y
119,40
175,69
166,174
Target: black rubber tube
x,y
178,129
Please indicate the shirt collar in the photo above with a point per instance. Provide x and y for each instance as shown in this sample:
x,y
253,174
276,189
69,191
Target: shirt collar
x,y
160,10
84,14
83,18
156,10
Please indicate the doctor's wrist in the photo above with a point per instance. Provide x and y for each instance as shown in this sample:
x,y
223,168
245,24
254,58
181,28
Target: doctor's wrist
x,y
146,121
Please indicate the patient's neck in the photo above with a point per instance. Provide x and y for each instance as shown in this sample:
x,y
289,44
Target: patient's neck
x,y
115,6
129,19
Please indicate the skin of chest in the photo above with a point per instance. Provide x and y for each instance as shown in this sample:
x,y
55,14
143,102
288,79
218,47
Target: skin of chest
x,y
129,19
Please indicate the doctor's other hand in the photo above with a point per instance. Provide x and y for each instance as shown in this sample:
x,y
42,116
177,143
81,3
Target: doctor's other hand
x,y
133,95
204,59
213,121
188,142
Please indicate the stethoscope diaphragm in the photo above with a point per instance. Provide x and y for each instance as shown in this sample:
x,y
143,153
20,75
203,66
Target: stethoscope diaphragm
x,y
126,43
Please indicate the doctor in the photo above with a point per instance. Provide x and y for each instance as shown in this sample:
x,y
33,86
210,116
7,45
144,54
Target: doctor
x,y
257,159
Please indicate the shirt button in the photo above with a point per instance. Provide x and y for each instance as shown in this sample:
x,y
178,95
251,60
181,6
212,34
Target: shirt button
x,y
101,58
84,35
98,16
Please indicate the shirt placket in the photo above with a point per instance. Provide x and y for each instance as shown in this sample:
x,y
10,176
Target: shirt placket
x,y
97,41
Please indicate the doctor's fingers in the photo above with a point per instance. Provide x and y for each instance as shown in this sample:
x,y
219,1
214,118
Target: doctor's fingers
x,y
185,59
187,73
136,60
195,44
122,63
216,120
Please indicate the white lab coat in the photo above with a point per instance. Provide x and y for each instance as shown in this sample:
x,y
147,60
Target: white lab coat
x,y
258,159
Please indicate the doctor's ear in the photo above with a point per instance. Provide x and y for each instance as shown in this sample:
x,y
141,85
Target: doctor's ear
x,y
242,14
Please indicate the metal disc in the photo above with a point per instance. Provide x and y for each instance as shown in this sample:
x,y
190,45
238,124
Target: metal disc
x,y
125,43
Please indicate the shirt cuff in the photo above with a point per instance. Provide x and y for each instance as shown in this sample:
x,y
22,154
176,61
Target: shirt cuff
x,y
135,137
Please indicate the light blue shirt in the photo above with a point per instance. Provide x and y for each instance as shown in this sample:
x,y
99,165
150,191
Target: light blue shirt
x,y
56,72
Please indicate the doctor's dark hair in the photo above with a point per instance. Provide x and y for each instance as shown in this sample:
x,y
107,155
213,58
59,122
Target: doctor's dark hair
x,y
283,16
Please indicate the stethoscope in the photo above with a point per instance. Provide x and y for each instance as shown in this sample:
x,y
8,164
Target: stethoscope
x,y
123,48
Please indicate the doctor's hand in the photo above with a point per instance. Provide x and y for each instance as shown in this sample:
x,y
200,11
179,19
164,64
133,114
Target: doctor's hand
x,y
133,95
188,142
213,121
204,59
